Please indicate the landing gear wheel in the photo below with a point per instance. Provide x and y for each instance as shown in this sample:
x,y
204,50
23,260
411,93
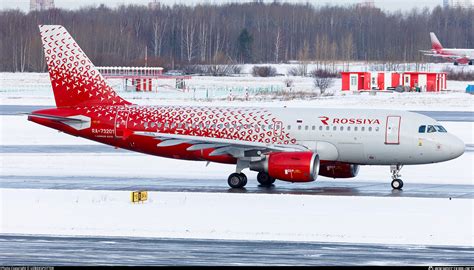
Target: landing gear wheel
x,y
264,179
237,180
244,177
397,184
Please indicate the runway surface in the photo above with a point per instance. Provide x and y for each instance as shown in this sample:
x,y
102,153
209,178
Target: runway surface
x,y
41,250
328,188
320,187
449,116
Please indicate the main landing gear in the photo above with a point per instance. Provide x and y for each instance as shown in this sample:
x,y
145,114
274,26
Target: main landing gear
x,y
265,179
237,180
397,183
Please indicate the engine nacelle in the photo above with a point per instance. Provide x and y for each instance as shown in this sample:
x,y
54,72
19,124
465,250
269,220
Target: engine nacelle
x,y
338,170
289,166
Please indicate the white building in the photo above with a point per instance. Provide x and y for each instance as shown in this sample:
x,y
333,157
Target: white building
x,y
41,4
459,3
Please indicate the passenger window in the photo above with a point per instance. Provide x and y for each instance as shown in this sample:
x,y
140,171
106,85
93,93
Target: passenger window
x,y
306,127
327,127
299,127
348,128
441,129
377,129
334,128
289,127
313,127
422,129
362,129
370,128
320,127
152,125
355,128
431,129
341,128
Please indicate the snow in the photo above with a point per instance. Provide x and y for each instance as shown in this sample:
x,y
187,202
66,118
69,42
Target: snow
x,y
35,89
384,220
377,220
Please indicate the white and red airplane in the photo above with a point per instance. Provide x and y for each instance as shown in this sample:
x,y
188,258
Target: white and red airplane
x,y
294,145
458,56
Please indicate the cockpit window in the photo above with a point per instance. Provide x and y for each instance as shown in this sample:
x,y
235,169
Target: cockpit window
x,y
422,129
431,129
440,129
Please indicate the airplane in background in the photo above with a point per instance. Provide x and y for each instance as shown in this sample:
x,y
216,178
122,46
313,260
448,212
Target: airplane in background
x,y
458,56
288,144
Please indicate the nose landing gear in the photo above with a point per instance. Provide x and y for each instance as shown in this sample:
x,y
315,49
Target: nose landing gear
x,y
397,183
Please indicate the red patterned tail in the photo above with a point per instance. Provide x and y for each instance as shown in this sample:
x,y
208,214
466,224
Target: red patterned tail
x,y
75,80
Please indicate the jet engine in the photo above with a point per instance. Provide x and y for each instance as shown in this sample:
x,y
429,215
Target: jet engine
x,y
289,166
338,170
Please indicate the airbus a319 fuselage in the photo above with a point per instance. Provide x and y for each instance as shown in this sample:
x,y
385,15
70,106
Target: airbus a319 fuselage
x,y
289,144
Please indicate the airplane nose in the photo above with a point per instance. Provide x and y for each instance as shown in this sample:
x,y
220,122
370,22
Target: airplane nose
x,y
455,147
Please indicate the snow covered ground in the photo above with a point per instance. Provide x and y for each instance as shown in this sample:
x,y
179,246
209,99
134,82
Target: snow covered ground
x,y
35,89
239,216
384,220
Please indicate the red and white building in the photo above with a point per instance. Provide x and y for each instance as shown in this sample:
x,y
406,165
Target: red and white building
x,y
426,81
141,77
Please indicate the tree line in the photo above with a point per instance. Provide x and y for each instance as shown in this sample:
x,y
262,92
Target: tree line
x,y
180,35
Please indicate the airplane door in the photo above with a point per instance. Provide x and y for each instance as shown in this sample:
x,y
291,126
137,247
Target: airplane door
x,y
392,130
406,80
277,128
422,81
121,120
354,84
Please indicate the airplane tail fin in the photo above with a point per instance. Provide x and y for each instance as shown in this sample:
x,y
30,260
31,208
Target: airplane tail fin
x,y
75,80
435,44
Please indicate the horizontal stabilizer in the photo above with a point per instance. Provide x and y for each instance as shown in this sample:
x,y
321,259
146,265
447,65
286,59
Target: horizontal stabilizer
x,y
57,118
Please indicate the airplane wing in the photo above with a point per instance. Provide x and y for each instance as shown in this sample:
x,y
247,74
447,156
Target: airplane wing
x,y
235,148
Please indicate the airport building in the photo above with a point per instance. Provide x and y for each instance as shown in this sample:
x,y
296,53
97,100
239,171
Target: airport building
x,y
458,3
363,81
41,5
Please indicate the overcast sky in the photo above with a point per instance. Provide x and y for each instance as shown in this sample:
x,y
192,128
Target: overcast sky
x,y
391,5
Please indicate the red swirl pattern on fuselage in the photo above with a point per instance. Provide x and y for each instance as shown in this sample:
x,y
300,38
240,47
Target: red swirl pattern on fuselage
x,y
244,124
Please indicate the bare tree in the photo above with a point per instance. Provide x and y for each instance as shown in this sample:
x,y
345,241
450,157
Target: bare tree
x,y
159,27
323,83
278,44
179,35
